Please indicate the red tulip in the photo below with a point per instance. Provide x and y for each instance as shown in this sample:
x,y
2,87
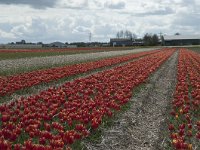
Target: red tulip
x,y
171,127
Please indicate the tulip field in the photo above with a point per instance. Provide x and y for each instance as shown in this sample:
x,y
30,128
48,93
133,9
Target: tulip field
x,y
185,121
15,82
63,116
21,53
21,62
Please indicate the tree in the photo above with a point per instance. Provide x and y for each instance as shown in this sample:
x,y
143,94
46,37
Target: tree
x,y
162,40
39,43
23,42
134,36
121,34
126,34
147,39
155,40
177,33
150,40
130,35
118,35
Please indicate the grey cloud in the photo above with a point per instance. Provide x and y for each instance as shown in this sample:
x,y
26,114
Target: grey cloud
x,y
74,7
118,5
33,3
71,4
159,12
185,23
5,27
192,20
188,2
36,29
81,29
105,29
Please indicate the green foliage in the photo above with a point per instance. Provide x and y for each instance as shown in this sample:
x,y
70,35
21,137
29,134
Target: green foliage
x,y
195,49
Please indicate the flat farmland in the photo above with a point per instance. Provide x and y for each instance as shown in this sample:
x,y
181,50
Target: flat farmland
x,y
13,66
28,53
116,100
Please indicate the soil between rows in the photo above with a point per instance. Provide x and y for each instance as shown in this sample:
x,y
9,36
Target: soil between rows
x,y
141,127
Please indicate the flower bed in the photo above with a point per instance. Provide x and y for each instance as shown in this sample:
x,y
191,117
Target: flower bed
x,y
58,117
16,82
185,114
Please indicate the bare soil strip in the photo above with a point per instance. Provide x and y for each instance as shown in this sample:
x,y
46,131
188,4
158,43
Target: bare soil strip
x,y
141,127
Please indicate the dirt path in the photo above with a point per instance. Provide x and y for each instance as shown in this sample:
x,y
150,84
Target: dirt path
x,y
140,127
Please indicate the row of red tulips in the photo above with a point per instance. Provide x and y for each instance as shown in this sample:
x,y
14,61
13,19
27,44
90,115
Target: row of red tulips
x,y
185,121
2,78
10,84
57,117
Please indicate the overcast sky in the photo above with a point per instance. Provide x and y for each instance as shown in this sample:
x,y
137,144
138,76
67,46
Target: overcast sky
x,y
73,20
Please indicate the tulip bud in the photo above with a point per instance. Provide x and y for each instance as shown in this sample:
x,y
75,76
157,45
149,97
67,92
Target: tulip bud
x,y
198,135
171,127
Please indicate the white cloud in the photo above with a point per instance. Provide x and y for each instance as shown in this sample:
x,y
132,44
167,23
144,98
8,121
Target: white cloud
x,y
6,35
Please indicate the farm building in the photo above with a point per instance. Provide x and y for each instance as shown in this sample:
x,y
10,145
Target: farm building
x,y
126,42
121,42
56,44
177,40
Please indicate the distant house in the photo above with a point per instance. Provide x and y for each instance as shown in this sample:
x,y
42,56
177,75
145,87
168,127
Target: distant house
x,y
138,42
178,40
21,42
121,42
105,45
71,46
57,44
